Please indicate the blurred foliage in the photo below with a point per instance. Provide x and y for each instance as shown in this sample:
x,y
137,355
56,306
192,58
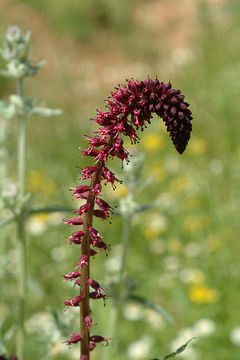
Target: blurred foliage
x,y
185,255
84,18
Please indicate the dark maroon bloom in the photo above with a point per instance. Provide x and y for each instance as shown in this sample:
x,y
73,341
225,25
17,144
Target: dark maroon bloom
x,y
88,171
96,140
76,237
129,108
79,190
77,282
73,221
94,252
97,189
72,275
83,209
96,286
94,234
98,339
103,205
88,322
100,214
75,338
74,301
96,295
109,176
92,346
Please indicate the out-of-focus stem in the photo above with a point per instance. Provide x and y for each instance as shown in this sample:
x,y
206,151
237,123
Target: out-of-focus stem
x,y
115,309
125,240
21,237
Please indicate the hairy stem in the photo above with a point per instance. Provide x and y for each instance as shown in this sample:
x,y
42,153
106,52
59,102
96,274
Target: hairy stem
x,y
85,249
22,283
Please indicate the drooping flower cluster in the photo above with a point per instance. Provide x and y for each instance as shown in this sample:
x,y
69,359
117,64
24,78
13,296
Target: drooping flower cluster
x,y
130,107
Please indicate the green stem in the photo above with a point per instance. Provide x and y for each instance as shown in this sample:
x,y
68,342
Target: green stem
x,y
22,284
22,151
125,241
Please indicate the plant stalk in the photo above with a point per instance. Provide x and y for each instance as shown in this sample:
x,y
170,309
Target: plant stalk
x,y
85,249
21,236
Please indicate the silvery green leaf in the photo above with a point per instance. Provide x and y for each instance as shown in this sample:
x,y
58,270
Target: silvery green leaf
x,y
45,112
40,64
17,69
27,36
5,73
32,69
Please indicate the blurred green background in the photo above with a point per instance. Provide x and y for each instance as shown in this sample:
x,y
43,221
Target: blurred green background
x,y
183,254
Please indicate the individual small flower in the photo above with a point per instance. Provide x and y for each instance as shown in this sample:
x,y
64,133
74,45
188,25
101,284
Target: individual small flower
x,y
93,252
83,260
96,295
73,221
72,275
94,234
84,209
98,339
79,190
95,285
97,189
74,301
88,171
203,294
103,205
88,322
76,237
92,346
75,338
100,213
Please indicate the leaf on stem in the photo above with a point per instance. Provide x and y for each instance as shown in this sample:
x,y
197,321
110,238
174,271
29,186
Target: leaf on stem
x,y
178,351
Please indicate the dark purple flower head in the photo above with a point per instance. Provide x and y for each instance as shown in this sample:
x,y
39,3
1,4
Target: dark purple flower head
x,y
129,108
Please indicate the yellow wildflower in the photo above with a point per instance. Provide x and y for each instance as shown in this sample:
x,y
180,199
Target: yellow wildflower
x,y
152,142
203,294
197,147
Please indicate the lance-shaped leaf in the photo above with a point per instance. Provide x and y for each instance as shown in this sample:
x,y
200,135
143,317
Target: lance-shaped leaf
x,y
45,112
178,351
